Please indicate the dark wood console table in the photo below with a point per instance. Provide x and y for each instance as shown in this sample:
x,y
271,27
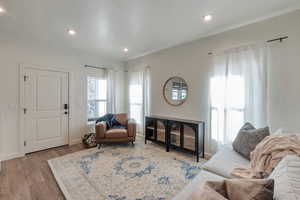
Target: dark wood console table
x,y
179,134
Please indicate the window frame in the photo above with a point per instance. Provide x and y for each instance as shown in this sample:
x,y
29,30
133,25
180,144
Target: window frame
x,y
96,100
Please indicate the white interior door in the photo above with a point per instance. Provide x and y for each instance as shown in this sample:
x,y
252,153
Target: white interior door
x,y
45,112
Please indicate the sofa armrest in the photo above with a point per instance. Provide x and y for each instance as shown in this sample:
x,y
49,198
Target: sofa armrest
x,y
131,128
100,130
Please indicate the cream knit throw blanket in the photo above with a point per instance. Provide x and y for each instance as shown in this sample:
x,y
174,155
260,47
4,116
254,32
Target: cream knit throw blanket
x,y
267,154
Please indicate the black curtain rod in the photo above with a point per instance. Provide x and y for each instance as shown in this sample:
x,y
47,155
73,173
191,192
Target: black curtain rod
x,y
104,68
89,66
278,39
269,41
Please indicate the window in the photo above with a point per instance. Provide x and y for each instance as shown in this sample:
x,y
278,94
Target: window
x,y
175,95
227,107
136,102
179,91
97,97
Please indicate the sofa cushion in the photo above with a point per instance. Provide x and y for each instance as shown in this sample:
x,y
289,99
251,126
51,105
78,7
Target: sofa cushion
x,y
206,192
197,182
247,139
235,189
287,179
224,161
116,133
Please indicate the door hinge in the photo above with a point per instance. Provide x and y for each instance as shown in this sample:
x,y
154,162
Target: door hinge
x,y
25,78
25,110
25,143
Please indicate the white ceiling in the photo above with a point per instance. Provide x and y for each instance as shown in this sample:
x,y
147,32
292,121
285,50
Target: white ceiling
x,y
106,27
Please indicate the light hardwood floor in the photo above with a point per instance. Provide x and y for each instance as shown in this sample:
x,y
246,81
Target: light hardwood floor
x,y
30,178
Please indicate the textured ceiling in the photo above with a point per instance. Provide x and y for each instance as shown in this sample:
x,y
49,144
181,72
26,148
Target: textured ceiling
x,y
106,27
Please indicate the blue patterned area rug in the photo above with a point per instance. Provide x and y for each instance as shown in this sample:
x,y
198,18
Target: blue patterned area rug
x,y
123,172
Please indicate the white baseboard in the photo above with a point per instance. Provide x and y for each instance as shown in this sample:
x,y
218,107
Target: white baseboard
x,y
11,156
75,141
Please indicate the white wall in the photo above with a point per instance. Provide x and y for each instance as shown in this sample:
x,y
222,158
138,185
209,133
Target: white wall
x,y
192,62
12,54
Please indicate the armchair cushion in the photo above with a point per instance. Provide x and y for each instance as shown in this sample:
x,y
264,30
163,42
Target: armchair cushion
x,y
116,133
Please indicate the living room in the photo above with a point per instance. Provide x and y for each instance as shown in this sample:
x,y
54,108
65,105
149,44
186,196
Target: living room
x,y
202,69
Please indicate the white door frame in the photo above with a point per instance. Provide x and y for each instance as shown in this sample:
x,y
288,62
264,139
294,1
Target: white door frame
x,y
22,68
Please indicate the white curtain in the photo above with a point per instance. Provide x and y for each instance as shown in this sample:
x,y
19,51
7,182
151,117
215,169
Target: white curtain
x,y
139,96
111,90
121,94
147,89
238,92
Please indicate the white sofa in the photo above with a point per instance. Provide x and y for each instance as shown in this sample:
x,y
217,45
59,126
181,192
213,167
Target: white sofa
x,y
286,174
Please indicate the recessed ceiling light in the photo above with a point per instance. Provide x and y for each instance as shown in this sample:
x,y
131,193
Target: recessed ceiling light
x,y
125,50
2,10
71,32
207,18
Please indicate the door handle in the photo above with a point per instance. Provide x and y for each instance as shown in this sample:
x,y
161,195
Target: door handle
x,y
66,107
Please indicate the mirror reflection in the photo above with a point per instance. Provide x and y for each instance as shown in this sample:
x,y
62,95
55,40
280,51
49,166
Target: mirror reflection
x,y
175,91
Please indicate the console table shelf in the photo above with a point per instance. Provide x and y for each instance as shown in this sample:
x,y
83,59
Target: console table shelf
x,y
179,134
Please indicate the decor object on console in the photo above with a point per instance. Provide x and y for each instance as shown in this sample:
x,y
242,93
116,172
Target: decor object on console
x,y
175,91
180,134
125,132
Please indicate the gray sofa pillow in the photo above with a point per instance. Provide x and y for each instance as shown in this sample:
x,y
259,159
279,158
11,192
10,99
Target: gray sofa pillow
x,y
247,139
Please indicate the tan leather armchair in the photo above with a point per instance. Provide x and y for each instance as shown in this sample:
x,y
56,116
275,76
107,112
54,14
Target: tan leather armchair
x,y
104,136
